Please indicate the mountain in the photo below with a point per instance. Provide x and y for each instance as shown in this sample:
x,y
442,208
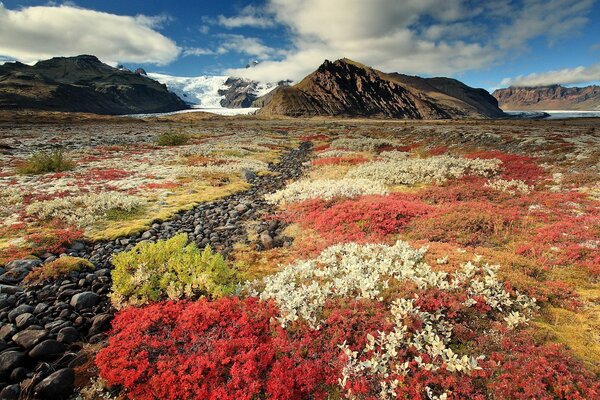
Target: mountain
x,y
347,88
214,91
553,97
82,84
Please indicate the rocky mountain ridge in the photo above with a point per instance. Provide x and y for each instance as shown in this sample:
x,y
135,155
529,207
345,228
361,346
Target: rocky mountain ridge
x,y
347,88
82,84
554,97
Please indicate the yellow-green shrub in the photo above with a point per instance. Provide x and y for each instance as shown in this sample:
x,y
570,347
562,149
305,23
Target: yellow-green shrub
x,y
170,269
44,162
60,267
172,139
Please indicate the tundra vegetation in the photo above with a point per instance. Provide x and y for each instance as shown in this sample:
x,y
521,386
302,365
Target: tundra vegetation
x,y
419,260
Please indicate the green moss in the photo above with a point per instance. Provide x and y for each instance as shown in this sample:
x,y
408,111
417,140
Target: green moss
x,y
60,267
44,162
170,269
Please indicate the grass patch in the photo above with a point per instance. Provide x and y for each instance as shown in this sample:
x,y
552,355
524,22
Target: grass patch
x,y
60,267
172,139
43,162
161,209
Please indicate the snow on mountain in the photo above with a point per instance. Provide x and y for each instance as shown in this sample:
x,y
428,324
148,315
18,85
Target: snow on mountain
x,y
212,91
199,90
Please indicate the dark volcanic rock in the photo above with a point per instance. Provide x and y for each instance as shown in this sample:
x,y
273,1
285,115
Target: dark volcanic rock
x,y
29,338
82,84
84,300
47,348
57,385
347,88
10,360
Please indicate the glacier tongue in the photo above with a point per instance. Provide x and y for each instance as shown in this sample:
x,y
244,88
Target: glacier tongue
x,y
198,90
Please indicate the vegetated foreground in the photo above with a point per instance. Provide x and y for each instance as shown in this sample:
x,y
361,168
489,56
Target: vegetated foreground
x,y
305,259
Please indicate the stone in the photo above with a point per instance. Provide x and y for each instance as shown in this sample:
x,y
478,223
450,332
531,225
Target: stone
x,y
47,348
28,264
10,289
18,374
84,300
57,385
67,335
25,320
14,276
77,246
22,309
7,331
10,360
248,175
100,323
266,240
11,392
29,338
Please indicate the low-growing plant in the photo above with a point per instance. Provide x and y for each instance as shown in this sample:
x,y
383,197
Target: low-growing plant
x,y
467,224
367,218
172,139
170,269
58,268
43,162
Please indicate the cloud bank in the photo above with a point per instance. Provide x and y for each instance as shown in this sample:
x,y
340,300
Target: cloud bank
x,y
562,76
35,33
411,36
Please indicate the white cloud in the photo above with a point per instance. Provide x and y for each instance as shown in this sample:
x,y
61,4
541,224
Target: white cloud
x,y
248,16
35,33
412,36
553,19
561,76
245,45
197,51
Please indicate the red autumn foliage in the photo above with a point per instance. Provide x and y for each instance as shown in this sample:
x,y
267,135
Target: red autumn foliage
x,y
464,189
523,369
514,166
310,138
339,161
367,218
472,223
161,185
227,349
52,239
437,151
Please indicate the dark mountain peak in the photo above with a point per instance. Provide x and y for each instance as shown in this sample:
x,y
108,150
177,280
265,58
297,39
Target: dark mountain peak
x,y
349,88
82,83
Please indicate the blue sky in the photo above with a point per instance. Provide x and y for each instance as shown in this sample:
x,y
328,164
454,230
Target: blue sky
x,y
483,43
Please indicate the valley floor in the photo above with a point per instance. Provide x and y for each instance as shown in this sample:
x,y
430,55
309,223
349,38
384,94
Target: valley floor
x,y
238,258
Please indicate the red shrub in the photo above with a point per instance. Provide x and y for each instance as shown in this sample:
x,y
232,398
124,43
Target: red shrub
x,y
227,349
514,166
367,218
437,151
570,241
465,189
522,369
468,224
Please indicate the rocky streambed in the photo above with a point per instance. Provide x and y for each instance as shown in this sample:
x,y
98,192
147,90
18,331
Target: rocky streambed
x,y
44,328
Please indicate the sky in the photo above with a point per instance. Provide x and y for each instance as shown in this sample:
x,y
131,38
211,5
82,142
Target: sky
x,y
487,44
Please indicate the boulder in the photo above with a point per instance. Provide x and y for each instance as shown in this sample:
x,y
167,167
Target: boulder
x,y
57,385
84,300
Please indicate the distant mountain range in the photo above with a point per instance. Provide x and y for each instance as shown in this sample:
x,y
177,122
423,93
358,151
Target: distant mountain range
x,y
347,88
339,88
82,84
553,97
